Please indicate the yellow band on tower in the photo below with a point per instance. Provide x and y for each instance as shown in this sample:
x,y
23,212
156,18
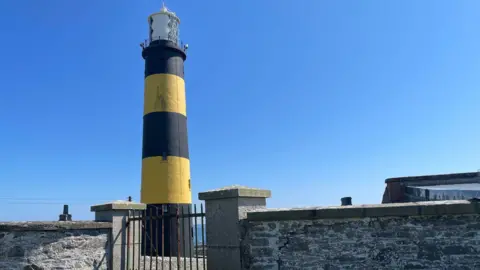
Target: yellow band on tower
x,y
166,181
164,93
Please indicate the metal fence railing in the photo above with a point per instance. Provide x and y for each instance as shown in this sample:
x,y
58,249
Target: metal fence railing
x,y
166,237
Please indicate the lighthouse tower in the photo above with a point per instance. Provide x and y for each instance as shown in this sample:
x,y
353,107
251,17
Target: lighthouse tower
x,y
165,156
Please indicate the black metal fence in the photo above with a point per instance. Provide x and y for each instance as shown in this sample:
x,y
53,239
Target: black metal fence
x,y
166,237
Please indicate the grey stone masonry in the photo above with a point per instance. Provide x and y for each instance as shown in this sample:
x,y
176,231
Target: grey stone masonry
x,y
374,210
42,226
225,207
426,235
54,245
123,231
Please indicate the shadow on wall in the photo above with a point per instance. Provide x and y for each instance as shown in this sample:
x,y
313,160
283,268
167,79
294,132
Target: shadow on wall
x,y
103,263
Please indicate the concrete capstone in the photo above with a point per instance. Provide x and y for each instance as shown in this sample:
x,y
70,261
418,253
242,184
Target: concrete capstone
x,y
234,191
118,205
363,211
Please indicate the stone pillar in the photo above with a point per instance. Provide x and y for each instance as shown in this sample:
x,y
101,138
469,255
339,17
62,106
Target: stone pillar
x,y
118,213
224,209
65,216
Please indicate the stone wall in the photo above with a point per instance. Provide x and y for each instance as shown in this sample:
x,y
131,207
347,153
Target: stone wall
x,y
54,245
427,235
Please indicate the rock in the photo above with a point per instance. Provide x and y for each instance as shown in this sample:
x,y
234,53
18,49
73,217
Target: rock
x,y
16,251
33,267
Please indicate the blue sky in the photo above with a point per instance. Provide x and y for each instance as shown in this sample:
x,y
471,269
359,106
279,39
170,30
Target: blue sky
x,y
312,99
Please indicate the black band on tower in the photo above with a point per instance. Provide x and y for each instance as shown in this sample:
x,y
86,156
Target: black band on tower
x,y
173,243
165,134
164,57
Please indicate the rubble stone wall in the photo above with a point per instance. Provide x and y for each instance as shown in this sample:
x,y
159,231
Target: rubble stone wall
x,y
54,245
426,235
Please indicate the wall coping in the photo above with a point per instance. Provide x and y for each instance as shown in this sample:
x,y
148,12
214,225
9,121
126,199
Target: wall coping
x,y
53,225
118,205
452,207
234,191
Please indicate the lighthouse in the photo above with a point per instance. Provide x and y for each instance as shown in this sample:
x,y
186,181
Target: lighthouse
x,y
165,184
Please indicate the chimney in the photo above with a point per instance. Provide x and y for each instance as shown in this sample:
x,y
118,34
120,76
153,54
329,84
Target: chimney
x,y
346,201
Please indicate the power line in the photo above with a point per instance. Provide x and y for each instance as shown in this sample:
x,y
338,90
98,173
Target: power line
x,y
46,203
56,199
48,199
31,201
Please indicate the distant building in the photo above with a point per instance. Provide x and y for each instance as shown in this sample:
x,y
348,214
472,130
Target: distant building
x,y
458,186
